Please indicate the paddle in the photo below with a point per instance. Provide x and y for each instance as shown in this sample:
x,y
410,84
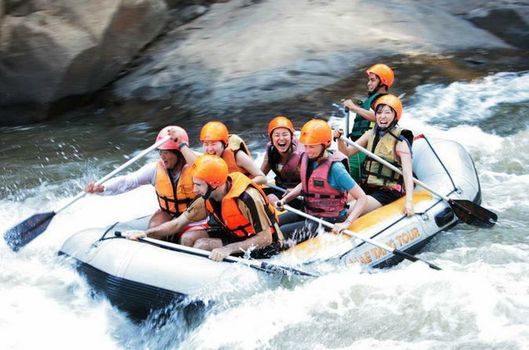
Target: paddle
x,y
277,188
468,211
367,240
258,265
26,231
346,112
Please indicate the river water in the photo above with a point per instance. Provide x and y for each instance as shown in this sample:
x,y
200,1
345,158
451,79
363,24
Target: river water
x,y
480,300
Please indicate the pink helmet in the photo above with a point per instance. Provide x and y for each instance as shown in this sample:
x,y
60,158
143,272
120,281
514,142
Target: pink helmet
x,y
171,144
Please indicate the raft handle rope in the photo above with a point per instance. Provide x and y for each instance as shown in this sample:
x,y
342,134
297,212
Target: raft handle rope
x,y
255,264
103,238
423,214
350,233
442,164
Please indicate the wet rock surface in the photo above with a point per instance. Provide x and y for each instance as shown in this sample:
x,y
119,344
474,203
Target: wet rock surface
x,y
52,49
238,57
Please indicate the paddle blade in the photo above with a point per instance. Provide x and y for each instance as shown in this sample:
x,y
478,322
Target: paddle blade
x,y
473,214
285,270
23,233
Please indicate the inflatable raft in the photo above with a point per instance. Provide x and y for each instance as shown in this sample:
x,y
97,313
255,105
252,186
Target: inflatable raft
x,y
141,276
442,165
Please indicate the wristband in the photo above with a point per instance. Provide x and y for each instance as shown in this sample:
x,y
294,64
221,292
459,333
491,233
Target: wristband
x,y
182,144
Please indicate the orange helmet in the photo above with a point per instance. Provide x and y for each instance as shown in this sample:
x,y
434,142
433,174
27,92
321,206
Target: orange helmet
x,y
214,131
392,101
384,73
171,144
211,169
280,122
316,132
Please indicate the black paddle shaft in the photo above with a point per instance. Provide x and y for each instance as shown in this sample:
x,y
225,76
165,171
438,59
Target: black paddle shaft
x,y
264,266
469,212
23,233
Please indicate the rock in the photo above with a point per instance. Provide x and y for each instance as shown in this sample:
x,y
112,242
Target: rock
x,y
182,15
237,55
509,24
50,50
185,3
506,19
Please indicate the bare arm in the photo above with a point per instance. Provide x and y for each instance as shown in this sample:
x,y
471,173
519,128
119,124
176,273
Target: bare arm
x,y
359,205
265,166
349,150
195,212
189,155
365,113
245,162
340,142
260,222
168,228
403,151
290,195
259,240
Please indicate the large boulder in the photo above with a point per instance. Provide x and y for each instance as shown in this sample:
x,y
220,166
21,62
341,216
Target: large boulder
x,y
506,19
53,49
237,55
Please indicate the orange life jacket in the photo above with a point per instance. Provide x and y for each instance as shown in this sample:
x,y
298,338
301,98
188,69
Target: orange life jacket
x,y
235,144
174,200
229,157
231,217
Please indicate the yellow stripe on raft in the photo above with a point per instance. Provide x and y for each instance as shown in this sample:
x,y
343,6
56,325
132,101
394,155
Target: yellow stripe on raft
x,y
393,209
310,248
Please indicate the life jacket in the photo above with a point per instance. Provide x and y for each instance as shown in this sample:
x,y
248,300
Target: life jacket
x,y
375,174
321,199
361,124
172,199
231,218
235,144
288,176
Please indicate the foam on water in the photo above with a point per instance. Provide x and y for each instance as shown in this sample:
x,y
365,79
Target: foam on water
x,y
478,301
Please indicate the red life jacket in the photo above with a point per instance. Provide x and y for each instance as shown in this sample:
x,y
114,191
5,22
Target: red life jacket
x,y
172,199
288,176
321,199
231,216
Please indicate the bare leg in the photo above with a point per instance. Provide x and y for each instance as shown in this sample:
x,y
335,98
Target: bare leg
x,y
192,235
208,243
372,204
272,198
158,218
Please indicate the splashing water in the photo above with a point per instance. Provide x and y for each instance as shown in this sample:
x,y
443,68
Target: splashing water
x,y
479,301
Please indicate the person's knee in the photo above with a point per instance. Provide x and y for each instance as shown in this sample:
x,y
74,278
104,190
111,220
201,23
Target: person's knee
x,y
187,239
159,218
202,243
272,198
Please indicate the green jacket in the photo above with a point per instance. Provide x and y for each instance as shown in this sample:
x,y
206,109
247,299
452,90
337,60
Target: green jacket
x,y
361,124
